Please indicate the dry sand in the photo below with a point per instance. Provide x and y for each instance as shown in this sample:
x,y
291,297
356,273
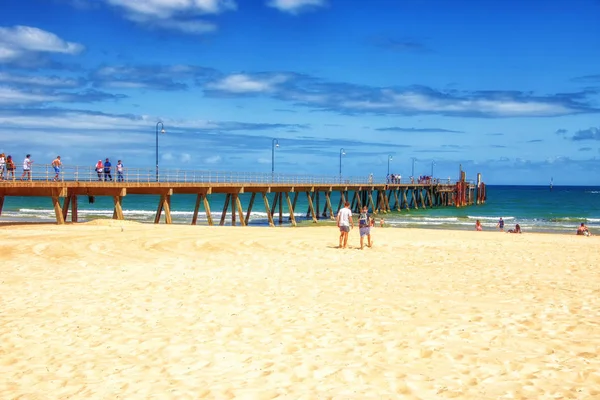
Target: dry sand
x,y
129,311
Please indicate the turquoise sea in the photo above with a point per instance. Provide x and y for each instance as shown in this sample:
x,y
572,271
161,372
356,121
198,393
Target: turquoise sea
x,y
535,208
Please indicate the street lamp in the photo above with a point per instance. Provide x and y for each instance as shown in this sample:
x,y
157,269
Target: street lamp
x,y
274,144
413,166
432,164
342,153
162,130
390,158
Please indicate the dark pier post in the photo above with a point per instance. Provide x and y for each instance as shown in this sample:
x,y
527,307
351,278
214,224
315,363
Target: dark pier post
x,y
250,205
225,208
328,201
290,208
310,207
268,209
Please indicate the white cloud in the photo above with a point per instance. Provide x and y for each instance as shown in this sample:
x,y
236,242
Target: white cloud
x,y
418,102
178,15
240,83
295,6
263,160
44,81
167,156
19,41
212,160
13,96
185,158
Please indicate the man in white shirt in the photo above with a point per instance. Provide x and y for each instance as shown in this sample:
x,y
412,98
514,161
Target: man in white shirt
x,y
27,168
344,222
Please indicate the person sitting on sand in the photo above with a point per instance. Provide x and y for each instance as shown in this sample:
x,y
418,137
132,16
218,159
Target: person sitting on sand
x,y
583,230
516,230
478,226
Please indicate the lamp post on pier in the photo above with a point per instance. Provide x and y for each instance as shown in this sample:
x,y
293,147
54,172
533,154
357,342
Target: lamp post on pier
x,y
390,158
274,143
432,164
342,153
162,130
413,167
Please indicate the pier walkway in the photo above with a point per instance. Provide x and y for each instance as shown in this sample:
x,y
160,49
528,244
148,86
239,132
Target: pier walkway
x,y
381,197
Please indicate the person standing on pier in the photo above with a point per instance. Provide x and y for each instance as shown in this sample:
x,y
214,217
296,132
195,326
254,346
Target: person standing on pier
x,y
56,164
2,166
107,168
344,222
99,168
10,167
27,167
119,171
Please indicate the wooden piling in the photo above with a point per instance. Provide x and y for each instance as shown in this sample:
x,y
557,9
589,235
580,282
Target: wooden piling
x,y
66,205
328,202
57,210
280,195
267,209
225,208
290,208
118,211
207,211
74,210
310,207
234,198
196,208
250,205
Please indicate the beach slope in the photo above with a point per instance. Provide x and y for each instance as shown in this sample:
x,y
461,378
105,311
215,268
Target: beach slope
x,y
123,310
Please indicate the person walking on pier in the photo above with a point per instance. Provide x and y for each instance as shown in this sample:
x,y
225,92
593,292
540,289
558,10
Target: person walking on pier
x,y
119,171
107,167
27,167
10,167
56,164
99,168
344,222
2,165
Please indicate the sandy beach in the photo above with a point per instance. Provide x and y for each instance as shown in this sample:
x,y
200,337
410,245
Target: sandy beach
x,y
118,310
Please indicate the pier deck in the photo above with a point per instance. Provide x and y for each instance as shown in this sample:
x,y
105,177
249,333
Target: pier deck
x,y
380,197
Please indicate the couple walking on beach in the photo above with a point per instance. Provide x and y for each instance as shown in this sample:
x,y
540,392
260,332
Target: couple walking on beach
x,y
345,223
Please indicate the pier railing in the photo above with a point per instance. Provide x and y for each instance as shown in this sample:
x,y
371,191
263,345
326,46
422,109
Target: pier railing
x,y
46,173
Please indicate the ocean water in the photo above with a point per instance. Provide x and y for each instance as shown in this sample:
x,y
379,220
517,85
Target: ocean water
x,y
535,208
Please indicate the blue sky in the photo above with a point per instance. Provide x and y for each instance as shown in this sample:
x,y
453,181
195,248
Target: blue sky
x,y
507,88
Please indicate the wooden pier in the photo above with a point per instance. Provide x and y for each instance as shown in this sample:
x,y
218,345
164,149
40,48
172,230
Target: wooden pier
x,y
381,198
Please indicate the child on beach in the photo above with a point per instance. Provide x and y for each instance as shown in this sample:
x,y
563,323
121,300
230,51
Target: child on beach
x,y
365,222
478,226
